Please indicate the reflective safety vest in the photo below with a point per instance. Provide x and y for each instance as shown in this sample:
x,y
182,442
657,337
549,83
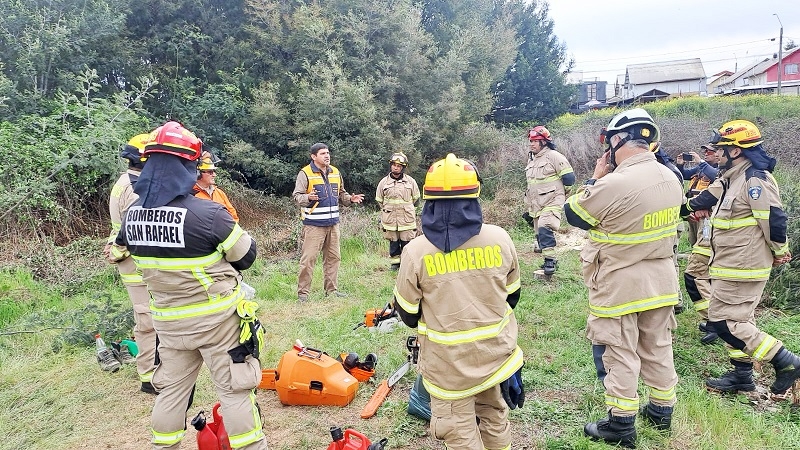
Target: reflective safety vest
x,y
325,211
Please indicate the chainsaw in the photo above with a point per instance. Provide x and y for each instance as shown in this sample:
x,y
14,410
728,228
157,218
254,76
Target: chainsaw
x,y
381,318
386,385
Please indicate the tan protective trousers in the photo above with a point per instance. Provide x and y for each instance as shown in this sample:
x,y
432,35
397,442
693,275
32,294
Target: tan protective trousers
x,y
697,266
734,302
143,331
552,221
454,421
316,240
638,344
182,356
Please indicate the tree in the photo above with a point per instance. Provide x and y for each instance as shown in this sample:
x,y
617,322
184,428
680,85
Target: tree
x,y
533,88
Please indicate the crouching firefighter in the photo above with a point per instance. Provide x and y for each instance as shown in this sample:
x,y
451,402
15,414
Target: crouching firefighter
x,y
748,238
630,208
190,251
458,284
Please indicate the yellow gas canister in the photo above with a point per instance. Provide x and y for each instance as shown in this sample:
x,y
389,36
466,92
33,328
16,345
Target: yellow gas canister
x,y
306,376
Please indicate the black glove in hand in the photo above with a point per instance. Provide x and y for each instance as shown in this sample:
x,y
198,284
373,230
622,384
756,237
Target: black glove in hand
x,y
251,335
513,391
528,218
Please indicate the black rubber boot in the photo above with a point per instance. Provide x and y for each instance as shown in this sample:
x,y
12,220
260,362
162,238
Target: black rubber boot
x,y
710,336
658,416
738,379
549,266
615,430
787,370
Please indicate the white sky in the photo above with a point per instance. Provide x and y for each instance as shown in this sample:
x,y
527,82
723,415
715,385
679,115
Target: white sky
x,y
604,36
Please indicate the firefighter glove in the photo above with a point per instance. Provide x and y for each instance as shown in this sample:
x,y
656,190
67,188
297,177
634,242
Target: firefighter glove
x,y
251,335
513,392
246,309
528,218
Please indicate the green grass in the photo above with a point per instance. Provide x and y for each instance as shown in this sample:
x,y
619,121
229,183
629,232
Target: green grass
x,y
61,400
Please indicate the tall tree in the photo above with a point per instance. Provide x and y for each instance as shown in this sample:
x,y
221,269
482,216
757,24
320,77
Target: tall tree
x,y
533,88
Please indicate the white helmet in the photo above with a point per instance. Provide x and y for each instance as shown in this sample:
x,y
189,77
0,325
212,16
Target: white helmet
x,y
637,122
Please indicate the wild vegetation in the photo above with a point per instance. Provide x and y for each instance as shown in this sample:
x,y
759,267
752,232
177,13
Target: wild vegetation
x,y
55,296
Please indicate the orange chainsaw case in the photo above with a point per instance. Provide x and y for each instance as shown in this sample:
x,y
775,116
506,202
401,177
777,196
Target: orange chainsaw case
x,y
310,377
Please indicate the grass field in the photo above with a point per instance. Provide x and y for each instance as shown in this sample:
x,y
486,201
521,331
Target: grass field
x,y
53,394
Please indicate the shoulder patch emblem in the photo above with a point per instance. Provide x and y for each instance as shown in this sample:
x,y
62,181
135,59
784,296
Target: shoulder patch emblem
x,y
754,192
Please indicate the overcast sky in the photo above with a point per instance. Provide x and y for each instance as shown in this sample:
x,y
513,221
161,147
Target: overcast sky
x,y
604,36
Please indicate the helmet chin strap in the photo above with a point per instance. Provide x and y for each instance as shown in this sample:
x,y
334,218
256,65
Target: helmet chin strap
x,y
728,159
613,155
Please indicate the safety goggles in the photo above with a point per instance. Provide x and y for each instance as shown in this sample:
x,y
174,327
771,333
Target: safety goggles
x,y
212,172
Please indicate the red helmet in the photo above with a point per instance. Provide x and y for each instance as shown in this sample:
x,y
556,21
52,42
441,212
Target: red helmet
x,y
539,133
172,138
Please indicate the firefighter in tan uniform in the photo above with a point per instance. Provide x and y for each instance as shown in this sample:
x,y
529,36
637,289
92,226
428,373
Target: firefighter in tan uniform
x,y
190,252
695,275
458,284
398,193
700,177
548,173
748,238
121,198
318,190
631,210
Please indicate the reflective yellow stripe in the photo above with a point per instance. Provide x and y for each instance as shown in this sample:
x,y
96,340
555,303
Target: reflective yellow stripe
x,y
701,305
214,305
743,274
578,209
405,304
471,335
398,201
146,377
701,250
168,438
394,260
535,181
117,254
633,238
635,306
147,262
392,227
548,209
564,172
783,250
625,404
662,395
762,214
257,433
737,354
230,241
727,224
131,278
512,364
514,286
764,348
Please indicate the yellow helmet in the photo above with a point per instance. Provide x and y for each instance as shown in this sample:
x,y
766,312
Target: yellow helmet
x,y
451,178
133,150
207,162
738,133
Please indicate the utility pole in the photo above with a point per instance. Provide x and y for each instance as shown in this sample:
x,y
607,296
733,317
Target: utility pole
x,y
780,55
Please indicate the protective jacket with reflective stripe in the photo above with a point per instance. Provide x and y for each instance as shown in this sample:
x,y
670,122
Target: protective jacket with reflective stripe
x,y
631,215
190,252
544,173
397,198
748,226
467,330
121,198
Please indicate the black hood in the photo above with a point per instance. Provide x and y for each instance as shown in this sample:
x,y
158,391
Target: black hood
x,y
449,223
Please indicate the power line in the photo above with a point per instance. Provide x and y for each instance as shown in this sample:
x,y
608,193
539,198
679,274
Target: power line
x,y
675,53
